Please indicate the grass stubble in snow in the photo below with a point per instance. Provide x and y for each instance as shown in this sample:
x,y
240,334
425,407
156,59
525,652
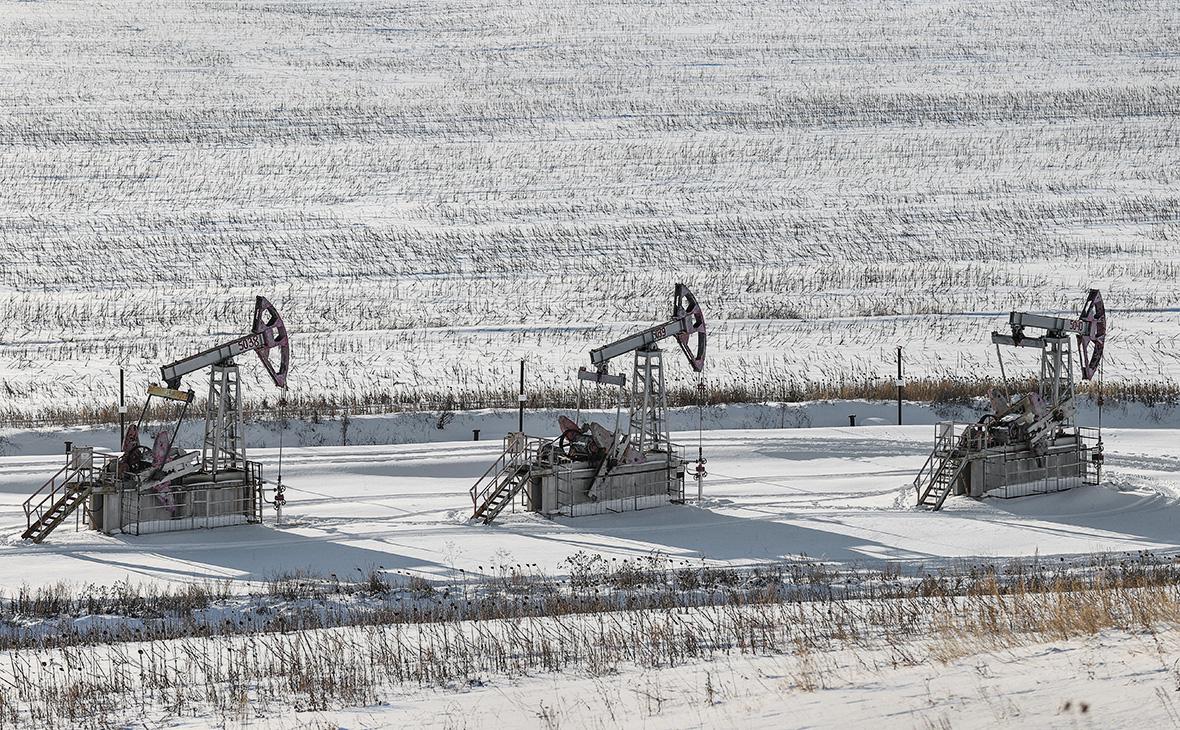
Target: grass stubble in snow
x,y
432,192
646,631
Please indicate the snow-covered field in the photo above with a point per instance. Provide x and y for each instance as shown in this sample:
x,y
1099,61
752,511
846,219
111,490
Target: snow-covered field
x,y
1114,679
836,494
431,191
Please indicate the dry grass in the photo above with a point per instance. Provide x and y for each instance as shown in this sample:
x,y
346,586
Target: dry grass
x,y
318,643
937,619
933,391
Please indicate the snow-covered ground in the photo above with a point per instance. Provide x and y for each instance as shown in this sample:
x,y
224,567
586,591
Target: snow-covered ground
x,y
838,494
431,192
1113,679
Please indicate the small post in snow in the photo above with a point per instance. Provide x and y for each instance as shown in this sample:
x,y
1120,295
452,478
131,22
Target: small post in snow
x,y
520,399
900,385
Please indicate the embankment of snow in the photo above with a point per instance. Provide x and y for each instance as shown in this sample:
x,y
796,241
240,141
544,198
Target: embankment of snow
x,y
434,427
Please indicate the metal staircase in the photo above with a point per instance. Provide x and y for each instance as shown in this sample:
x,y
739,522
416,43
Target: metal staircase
x,y
48,519
59,497
500,484
946,463
944,472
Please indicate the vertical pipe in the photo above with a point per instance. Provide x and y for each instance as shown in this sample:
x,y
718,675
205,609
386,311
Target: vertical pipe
x,y
520,401
663,416
647,400
578,411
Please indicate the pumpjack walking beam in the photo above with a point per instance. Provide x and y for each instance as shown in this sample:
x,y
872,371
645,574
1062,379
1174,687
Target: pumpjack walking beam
x,y
267,336
688,320
1089,327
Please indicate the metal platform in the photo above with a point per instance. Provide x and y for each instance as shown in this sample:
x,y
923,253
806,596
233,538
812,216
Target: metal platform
x,y
964,462
533,474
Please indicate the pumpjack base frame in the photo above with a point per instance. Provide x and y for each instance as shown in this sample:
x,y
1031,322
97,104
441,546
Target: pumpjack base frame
x,y
1071,459
571,489
198,500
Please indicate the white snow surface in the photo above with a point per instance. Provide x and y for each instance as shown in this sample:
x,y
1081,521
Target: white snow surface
x,y
1112,679
431,192
837,494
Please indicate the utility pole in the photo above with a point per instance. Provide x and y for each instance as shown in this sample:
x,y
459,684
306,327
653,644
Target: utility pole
x,y
122,411
900,385
521,398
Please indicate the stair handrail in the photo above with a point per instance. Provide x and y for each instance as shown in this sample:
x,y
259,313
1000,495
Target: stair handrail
x,y
512,452
51,497
962,465
935,474
918,480
492,488
943,438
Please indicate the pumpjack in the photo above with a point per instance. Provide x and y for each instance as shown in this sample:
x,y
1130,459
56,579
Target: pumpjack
x,y
148,485
590,468
1029,443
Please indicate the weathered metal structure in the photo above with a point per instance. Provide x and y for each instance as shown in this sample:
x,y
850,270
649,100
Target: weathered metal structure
x,y
590,469
1030,443
162,487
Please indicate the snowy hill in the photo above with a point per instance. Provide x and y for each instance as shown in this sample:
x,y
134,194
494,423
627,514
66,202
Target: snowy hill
x,y
431,192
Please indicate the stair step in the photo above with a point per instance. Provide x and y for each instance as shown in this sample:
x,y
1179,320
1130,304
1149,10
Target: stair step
x,y
502,489
57,513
